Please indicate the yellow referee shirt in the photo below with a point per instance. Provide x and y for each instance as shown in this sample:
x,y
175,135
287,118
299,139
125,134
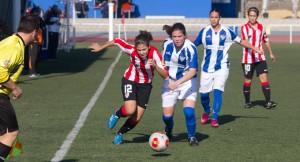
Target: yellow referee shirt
x,y
11,60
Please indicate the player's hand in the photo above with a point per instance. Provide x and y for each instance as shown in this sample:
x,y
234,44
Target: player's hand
x,y
173,85
259,51
17,92
272,57
95,47
152,63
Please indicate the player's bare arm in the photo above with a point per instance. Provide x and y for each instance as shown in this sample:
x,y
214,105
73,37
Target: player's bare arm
x,y
16,90
162,72
97,47
272,57
248,45
191,73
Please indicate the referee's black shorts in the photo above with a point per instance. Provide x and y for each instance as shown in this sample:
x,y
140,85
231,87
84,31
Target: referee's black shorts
x,y
140,92
8,119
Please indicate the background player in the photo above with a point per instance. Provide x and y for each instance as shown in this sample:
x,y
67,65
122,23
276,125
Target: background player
x,y
216,40
137,81
255,33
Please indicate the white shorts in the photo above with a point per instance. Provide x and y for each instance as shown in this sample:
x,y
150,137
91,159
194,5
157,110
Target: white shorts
x,y
214,80
187,90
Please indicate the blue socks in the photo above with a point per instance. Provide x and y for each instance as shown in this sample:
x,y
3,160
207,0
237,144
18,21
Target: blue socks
x,y
204,98
190,120
168,120
217,103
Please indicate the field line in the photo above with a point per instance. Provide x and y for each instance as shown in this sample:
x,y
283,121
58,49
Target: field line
x,y
60,154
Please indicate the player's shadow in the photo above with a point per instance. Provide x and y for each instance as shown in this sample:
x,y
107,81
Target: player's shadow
x,y
143,138
70,160
224,119
67,160
261,103
182,137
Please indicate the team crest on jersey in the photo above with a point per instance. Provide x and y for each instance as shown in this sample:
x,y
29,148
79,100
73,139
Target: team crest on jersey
x,y
223,36
127,94
6,63
182,58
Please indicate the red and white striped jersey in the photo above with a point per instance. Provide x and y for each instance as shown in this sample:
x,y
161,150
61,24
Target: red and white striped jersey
x,y
255,37
139,69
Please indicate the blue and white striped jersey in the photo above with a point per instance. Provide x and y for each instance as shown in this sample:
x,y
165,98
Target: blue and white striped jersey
x,y
216,45
179,62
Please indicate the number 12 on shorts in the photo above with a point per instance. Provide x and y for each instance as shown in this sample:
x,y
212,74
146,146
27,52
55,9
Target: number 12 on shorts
x,y
128,88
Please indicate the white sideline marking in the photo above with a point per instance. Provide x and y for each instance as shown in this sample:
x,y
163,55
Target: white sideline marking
x,y
60,154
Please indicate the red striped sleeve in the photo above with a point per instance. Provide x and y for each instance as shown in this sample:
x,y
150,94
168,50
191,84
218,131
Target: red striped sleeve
x,y
244,37
127,48
260,28
254,37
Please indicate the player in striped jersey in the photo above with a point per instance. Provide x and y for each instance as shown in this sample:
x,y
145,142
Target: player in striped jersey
x,y
181,59
255,33
216,40
11,66
137,81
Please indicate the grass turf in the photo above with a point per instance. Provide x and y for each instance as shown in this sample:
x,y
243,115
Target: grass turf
x,y
52,103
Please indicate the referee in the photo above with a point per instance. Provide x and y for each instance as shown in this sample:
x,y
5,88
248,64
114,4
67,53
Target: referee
x,y
11,66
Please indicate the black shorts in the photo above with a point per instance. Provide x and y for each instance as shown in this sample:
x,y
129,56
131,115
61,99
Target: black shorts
x,y
260,68
140,92
8,119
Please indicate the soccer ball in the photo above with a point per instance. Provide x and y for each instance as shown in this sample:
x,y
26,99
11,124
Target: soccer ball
x,y
159,141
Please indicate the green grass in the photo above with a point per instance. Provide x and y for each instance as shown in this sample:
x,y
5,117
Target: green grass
x,y
52,104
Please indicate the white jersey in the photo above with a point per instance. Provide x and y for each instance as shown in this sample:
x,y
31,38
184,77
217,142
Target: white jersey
x,y
216,46
179,62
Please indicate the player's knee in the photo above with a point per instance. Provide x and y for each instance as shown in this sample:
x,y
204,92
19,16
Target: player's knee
x,y
130,111
10,137
189,113
14,134
217,92
204,96
248,80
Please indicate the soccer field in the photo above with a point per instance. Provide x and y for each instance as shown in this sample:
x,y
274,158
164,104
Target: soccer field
x,y
73,87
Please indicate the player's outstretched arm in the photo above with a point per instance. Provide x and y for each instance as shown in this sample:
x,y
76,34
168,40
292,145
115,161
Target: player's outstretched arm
x,y
96,47
248,45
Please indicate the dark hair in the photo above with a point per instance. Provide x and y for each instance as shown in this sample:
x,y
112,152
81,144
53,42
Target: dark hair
x,y
168,29
254,9
178,26
215,10
143,38
35,11
28,24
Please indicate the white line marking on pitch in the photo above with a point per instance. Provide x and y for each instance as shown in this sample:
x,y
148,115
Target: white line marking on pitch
x,y
61,153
